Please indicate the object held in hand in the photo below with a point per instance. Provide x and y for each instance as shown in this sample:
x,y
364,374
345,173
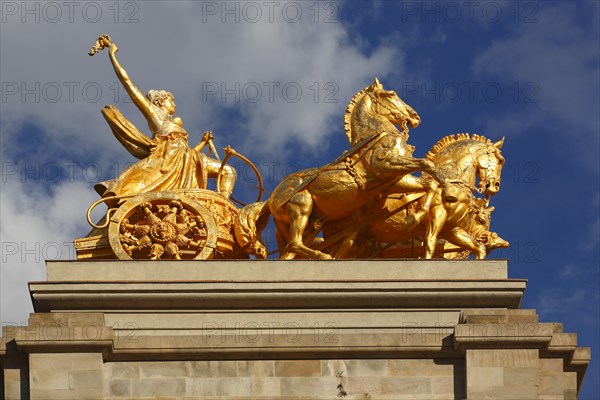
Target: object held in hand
x,y
101,43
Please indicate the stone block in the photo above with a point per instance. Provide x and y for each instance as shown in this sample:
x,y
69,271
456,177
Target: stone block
x,y
366,368
551,366
453,386
505,393
557,384
48,379
569,380
502,357
361,386
482,378
158,387
405,385
334,368
11,374
228,387
164,369
262,368
15,372
325,387
425,367
122,370
82,394
266,386
213,369
65,376
550,385
285,368
354,368
66,361
570,394
523,377
197,387
89,380
12,390
117,388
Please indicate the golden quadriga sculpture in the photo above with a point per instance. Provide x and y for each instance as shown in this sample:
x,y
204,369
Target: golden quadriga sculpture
x,y
365,204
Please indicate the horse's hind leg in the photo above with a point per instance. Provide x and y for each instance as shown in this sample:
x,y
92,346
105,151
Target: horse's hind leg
x,y
462,238
434,226
298,210
282,236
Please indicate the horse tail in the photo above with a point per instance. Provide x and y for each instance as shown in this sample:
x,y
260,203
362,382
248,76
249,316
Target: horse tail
x,y
249,224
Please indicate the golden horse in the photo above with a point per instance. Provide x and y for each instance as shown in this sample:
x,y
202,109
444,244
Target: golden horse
x,y
462,159
379,161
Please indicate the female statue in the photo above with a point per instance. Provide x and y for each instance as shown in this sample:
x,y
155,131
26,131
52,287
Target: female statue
x,y
166,160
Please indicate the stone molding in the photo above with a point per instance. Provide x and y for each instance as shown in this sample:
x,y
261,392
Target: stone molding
x,y
468,315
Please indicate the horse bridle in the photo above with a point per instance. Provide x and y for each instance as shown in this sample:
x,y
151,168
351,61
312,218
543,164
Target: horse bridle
x,y
377,103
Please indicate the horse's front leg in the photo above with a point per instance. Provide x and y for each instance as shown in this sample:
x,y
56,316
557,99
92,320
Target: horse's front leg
x,y
390,155
437,219
388,159
463,239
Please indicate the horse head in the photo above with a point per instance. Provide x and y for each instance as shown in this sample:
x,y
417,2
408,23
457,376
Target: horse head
x,y
371,109
489,166
386,103
250,221
481,215
465,158
480,226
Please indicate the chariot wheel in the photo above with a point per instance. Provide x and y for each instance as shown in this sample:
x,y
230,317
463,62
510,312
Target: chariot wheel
x,y
162,225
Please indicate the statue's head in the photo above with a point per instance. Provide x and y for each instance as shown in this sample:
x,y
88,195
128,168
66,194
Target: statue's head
x,y
162,99
388,104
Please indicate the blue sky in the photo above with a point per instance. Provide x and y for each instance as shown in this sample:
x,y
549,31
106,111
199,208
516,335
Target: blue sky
x,y
274,82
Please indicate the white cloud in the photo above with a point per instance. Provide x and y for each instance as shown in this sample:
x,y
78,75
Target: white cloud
x,y
36,225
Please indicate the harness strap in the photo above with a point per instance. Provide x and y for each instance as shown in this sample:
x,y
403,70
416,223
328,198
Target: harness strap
x,y
328,167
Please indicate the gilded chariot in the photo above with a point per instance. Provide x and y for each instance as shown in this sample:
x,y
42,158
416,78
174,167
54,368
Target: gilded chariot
x,y
175,224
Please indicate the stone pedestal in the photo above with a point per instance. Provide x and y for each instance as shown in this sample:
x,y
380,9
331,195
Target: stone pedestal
x,y
286,330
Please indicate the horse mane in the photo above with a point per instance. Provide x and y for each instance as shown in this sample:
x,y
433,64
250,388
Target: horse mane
x,y
348,114
450,139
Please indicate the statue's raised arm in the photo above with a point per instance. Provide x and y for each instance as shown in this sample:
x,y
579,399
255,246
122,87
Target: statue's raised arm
x,y
138,98
169,163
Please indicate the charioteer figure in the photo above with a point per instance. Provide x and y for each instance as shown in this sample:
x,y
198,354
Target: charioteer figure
x,y
160,207
166,160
